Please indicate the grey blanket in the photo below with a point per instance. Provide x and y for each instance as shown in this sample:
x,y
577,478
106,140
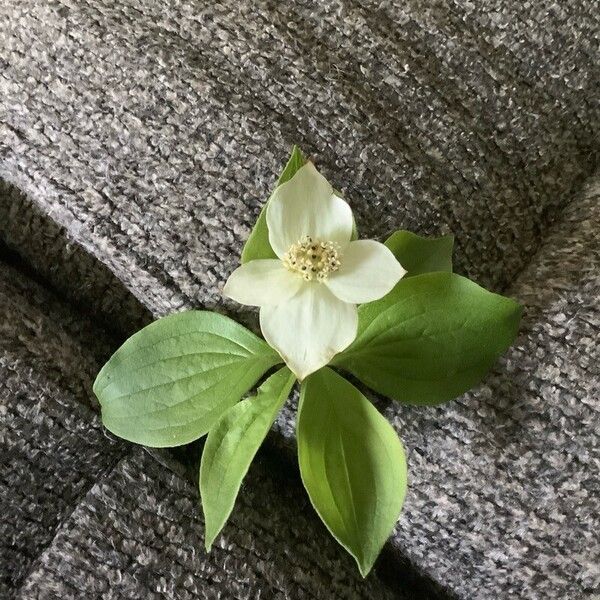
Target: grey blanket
x,y
152,132
87,516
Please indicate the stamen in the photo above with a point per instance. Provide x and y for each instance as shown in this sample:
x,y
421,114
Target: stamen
x,y
312,259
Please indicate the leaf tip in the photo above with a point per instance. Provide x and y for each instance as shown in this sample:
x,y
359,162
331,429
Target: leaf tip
x,y
209,534
364,567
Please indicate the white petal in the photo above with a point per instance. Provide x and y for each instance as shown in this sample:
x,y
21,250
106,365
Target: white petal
x,y
310,328
307,205
368,272
261,282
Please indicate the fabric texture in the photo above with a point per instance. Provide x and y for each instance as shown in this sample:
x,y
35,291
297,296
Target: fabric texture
x,y
152,133
87,516
52,450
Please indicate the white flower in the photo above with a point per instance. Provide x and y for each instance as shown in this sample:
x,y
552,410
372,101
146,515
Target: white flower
x,y
308,295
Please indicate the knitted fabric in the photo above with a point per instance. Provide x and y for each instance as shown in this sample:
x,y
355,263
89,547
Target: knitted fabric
x,y
153,132
87,516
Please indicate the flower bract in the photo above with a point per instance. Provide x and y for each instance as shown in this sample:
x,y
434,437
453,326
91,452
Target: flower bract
x,y
308,295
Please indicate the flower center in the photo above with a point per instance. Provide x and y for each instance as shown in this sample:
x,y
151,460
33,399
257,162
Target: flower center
x,y
312,259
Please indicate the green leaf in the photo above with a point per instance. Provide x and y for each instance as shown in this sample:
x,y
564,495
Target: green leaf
x,y
295,161
170,382
257,245
421,255
352,465
433,337
231,446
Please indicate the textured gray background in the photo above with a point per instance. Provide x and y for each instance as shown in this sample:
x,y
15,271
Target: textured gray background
x,y
153,133
87,516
